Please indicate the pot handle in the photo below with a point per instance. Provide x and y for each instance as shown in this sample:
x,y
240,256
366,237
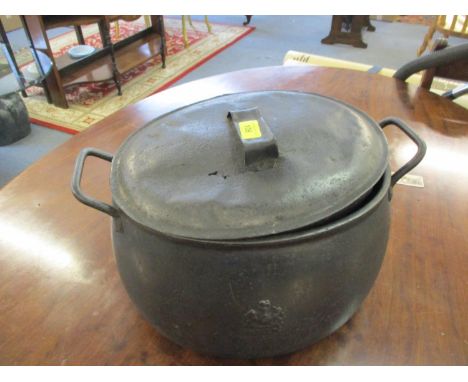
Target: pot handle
x,y
259,147
76,180
414,161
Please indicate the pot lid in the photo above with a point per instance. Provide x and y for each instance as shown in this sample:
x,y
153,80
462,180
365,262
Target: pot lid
x,y
248,165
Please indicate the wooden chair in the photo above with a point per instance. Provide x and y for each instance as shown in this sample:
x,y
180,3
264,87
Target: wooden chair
x,y
448,26
128,19
184,28
443,61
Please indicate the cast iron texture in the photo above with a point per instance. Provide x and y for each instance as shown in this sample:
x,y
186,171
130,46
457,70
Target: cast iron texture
x,y
184,173
257,298
259,147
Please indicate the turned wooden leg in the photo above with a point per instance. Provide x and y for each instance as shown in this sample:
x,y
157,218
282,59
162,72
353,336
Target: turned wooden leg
x,y
157,24
147,21
208,25
107,43
79,35
117,30
184,32
427,38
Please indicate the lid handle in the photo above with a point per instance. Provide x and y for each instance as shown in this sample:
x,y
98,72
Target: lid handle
x,y
259,146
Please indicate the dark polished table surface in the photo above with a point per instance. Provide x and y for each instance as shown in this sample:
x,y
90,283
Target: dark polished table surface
x,y
62,302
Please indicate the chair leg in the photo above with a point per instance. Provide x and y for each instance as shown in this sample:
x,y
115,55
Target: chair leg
x,y
190,20
427,38
147,21
208,25
184,32
117,30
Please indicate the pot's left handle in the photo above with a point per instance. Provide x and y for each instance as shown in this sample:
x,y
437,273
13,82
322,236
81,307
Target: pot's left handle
x,y
76,180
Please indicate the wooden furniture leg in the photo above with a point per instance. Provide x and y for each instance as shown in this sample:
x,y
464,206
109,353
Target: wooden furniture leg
x,y
184,28
44,82
117,29
184,31
40,41
367,23
104,26
79,35
147,21
356,32
335,29
10,55
428,37
157,24
208,25
353,37
247,21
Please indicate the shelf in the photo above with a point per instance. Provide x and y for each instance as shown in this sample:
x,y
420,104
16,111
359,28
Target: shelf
x,y
127,57
66,64
55,21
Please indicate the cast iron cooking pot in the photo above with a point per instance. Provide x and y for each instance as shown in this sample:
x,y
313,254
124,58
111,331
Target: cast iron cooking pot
x,y
251,224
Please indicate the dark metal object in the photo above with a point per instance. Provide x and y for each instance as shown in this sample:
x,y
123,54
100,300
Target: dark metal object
x,y
457,92
259,147
439,58
76,188
413,162
252,297
184,173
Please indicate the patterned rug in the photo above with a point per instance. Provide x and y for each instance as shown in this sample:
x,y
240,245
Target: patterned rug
x,y
90,103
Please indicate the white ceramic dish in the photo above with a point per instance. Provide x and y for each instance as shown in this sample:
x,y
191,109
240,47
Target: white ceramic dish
x,y
80,51
32,69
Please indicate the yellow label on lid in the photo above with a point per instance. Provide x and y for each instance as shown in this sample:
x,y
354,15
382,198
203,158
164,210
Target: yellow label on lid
x,y
250,129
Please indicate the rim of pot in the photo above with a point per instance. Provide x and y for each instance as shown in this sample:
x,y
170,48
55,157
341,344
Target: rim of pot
x,y
137,211
286,238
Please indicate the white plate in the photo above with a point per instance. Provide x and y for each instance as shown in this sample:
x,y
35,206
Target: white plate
x,y
32,69
80,51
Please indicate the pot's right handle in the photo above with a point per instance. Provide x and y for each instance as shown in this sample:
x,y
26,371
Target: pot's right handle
x,y
76,180
413,162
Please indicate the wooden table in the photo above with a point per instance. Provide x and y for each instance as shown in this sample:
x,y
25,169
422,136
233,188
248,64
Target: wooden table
x,y
62,301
